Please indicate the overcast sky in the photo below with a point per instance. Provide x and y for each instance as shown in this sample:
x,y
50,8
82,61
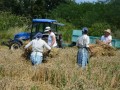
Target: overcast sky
x,y
78,1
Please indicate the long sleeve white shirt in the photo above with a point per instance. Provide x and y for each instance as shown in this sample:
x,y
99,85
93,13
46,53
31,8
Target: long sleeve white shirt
x,y
38,45
107,39
83,41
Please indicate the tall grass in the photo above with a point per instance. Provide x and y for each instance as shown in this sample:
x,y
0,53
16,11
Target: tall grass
x,y
8,20
9,34
10,24
59,73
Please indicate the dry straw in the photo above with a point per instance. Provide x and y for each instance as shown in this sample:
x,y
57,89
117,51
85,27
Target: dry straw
x,y
58,73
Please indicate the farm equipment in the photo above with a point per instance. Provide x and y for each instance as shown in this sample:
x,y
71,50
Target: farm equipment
x,y
18,40
38,25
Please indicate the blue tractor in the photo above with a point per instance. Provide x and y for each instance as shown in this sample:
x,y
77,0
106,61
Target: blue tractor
x,y
38,25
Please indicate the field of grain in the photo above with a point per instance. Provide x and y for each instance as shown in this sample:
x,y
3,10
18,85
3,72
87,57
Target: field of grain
x,y
58,73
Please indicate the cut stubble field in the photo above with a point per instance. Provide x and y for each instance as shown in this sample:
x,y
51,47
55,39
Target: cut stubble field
x,y
58,73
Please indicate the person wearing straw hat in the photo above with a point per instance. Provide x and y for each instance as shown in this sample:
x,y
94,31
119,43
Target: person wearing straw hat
x,y
51,38
107,38
83,45
37,49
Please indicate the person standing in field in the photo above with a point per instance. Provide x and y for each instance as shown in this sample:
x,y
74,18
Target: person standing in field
x,y
51,38
37,49
83,51
107,38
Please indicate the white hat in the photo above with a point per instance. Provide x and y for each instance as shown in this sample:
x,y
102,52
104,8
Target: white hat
x,y
108,30
47,29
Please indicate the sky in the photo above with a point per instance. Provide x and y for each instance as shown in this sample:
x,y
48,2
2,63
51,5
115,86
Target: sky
x,y
78,1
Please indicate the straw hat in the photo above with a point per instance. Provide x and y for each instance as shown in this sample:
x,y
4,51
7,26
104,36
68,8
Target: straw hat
x,y
108,30
47,29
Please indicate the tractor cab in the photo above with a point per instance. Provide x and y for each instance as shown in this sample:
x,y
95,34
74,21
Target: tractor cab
x,y
38,25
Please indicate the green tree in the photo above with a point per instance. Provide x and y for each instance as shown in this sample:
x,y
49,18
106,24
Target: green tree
x,y
97,29
34,8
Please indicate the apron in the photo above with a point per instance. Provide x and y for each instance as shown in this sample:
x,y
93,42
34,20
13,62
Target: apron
x,y
82,57
36,58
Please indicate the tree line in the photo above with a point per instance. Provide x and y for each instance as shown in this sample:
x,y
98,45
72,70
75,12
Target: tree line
x,y
96,16
32,8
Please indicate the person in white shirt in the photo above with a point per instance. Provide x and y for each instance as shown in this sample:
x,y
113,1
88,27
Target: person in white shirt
x,y
51,38
83,45
37,49
107,38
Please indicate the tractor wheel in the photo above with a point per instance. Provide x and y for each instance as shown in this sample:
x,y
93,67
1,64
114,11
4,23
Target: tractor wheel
x,y
15,46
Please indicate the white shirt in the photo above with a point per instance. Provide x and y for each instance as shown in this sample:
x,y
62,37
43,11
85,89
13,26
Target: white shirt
x,y
106,39
38,45
83,41
50,39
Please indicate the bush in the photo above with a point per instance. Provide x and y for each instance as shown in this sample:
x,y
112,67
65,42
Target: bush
x,y
8,20
97,29
9,34
117,34
66,30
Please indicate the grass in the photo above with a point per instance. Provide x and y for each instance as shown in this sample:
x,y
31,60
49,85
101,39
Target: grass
x,y
8,20
59,73
9,34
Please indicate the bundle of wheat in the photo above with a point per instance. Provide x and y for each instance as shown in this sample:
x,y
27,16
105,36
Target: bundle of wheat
x,y
54,52
96,50
99,42
27,52
102,49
